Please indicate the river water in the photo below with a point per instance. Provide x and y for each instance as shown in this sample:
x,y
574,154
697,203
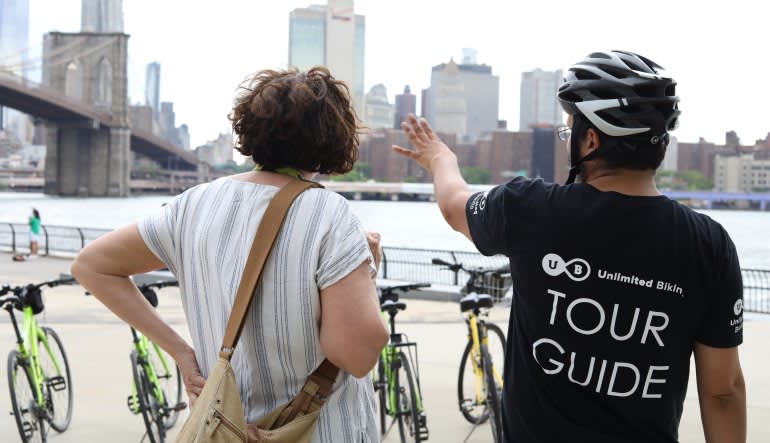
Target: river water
x,y
405,224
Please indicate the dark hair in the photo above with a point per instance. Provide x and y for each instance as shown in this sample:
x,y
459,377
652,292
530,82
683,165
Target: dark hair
x,y
303,120
36,213
622,152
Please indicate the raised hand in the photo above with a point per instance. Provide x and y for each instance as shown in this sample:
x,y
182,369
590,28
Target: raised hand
x,y
427,145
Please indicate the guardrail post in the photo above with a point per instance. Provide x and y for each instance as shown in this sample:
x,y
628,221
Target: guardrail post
x,y
82,239
384,264
13,237
45,232
454,261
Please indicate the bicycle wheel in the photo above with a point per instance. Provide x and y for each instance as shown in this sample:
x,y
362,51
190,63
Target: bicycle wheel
x,y
471,390
494,392
24,407
406,410
170,383
57,384
381,386
148,404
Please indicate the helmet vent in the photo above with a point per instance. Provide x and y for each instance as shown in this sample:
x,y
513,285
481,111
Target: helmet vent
x,y
581,74
615,72
599,55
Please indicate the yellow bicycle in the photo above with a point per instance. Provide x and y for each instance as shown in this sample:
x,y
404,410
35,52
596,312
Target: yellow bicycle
x,y
480,382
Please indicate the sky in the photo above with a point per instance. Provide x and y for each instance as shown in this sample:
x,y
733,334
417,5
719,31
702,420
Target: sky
x,y
716,50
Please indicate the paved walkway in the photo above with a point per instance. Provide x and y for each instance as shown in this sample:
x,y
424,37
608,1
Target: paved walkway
x,y
98,346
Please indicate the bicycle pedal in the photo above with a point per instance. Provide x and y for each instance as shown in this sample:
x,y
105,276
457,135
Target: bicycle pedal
x,y
181,406
133,404
28,429
423,421
57,383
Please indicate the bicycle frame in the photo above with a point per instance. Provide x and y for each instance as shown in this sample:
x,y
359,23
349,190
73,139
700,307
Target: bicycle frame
x,y
389,356
28,340
143,346
479,336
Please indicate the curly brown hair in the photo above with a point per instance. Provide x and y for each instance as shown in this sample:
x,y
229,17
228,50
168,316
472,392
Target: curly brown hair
x,y
303,120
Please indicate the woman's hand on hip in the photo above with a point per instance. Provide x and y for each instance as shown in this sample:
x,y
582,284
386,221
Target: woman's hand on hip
x,y
191,374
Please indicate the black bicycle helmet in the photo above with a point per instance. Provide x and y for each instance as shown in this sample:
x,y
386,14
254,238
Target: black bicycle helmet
x,y
622,94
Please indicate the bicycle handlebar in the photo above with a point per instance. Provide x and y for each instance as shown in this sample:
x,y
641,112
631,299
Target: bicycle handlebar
x,y
404,287
158,284
479,270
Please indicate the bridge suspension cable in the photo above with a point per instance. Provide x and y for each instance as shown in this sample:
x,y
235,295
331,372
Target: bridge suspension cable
x,y
38,63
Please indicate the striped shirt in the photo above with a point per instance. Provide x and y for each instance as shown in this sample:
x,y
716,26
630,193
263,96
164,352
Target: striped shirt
x,y
204,237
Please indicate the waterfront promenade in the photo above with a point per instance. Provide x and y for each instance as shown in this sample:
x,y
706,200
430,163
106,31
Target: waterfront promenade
x,y
98,344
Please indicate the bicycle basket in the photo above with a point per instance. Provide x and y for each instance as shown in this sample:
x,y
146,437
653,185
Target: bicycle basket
x,y
494,285
33,299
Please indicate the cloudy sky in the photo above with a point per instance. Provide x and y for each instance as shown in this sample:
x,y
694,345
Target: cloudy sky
x,y
716,50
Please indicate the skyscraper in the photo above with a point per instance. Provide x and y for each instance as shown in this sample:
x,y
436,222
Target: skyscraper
x,y
469,86
379,111
331,35
14,44
101,16
406,104
152,87
539,104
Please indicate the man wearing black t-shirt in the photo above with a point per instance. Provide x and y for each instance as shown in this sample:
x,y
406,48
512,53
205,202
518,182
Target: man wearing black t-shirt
x,y
615,285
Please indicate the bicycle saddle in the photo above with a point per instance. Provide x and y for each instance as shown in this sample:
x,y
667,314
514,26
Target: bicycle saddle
x,y
473,301
390,304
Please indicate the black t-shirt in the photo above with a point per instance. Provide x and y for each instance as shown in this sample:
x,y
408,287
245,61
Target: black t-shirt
x,y
610,292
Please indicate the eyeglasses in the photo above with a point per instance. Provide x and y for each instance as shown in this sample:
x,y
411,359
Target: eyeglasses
x,y
564,132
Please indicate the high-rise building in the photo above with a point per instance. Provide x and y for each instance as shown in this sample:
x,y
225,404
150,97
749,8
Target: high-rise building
x,y
379,111
101,16
406,104
184,135
307,37
463,99
14,45
167,121
539,105
216,152
331,35
152,87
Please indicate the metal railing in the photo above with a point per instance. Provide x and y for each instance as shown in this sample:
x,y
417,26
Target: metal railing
x,y
756,290
407,264
54,240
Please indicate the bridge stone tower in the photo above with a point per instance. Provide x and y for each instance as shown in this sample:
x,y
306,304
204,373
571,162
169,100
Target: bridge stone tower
x,y
87,158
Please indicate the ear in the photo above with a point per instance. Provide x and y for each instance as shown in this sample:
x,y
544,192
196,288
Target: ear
x,y
591,142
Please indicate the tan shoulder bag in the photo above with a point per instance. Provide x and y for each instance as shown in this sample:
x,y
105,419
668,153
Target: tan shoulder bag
x,y
218,415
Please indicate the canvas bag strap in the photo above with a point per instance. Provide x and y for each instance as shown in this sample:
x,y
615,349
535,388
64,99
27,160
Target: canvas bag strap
x,y
263,243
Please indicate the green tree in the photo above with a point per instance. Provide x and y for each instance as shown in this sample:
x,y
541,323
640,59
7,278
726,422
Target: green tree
x,y
683,181
476,175
361,172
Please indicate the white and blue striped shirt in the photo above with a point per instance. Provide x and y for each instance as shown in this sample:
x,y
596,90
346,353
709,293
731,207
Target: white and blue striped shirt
x,y
204,237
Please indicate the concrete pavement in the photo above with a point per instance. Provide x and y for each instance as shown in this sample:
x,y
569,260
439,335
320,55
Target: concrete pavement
x,y
98,345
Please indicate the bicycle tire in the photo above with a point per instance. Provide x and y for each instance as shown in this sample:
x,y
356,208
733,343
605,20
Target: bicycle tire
x,y
53,406
153,423
409,421
472,411
493,396
34,423
171,385
382,394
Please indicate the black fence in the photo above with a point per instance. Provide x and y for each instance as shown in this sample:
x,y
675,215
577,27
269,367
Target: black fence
x,y
406,264
54,240
756,290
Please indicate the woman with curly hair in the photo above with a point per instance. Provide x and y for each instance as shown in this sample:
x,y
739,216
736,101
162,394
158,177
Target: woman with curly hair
x,y
316,299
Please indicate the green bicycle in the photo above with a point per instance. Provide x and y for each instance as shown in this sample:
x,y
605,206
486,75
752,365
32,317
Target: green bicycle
x,y
38,371
156,391
396,380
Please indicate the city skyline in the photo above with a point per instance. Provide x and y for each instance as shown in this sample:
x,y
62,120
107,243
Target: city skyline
x,y
717,78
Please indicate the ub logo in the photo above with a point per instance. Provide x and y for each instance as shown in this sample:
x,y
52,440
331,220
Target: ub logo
x,y
577,269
